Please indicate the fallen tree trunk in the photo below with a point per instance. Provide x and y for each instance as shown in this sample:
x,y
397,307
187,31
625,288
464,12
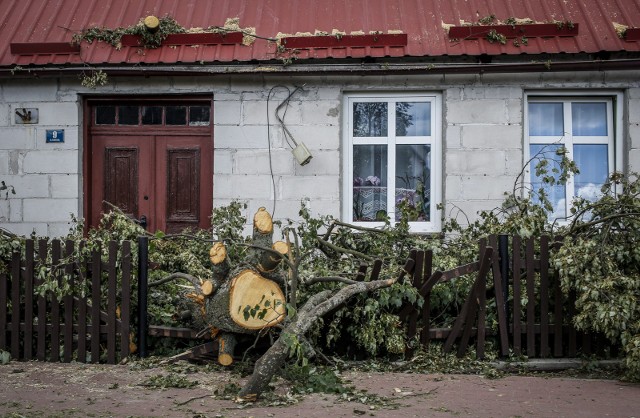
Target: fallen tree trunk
x,y
241,299
316,307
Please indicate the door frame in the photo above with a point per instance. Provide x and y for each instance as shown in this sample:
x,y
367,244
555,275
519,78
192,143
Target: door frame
x,y
88,129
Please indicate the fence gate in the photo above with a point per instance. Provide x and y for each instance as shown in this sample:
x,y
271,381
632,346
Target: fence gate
x,y
533,315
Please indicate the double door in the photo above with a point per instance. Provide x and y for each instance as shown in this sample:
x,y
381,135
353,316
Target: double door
x,y
161,176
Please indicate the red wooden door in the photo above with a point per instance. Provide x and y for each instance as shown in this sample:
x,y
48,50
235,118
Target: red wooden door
x,y
161,173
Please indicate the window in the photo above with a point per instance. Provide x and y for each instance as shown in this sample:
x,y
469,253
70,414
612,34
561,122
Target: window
x,y
582,125
132,114
392,159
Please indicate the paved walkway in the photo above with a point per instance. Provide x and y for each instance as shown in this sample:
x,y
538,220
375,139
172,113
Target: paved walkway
x,y
78,390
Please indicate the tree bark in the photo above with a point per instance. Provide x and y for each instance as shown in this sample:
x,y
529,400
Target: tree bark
x,y
316,307
226,345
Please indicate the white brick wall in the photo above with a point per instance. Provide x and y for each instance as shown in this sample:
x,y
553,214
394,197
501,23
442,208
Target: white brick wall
x,y
480,111
36,162
482,135
48,210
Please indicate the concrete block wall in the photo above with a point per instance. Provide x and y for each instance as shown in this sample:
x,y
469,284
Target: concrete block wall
x,y
482,137
483,143
45,176
252,156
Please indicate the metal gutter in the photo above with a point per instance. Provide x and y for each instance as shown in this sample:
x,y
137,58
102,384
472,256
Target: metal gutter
x,y
338,69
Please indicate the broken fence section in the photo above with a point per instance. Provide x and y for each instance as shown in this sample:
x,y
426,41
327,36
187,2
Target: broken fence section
x,y
530,313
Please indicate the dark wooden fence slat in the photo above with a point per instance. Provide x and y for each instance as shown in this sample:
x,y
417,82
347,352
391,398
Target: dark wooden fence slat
x,y
125,305
376,269
469,317
517,295
28,298
15,305
413,316
55,303
442,277
96,273
111,303
407,308
460,271
531,298
68,304
42,306
482,302
457,325
82,308
362,272
424,317
557,312
475,305
469,304
544,296
500,302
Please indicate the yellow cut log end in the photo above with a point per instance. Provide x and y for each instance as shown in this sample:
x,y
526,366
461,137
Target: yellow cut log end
x,y
249,288
270,260
225,359
218,253
207,287
281,247
152,23
262,221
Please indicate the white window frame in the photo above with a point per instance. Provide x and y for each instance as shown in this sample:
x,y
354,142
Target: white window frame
x,y
613,140
434,140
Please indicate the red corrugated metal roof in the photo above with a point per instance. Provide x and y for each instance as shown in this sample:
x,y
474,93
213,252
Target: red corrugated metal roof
x,y
40,21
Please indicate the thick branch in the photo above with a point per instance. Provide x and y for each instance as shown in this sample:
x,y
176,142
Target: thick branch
x,y
575,228
317,306
329,279
357,227
345,250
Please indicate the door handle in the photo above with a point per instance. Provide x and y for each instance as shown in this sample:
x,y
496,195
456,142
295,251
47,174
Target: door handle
x,y
142,222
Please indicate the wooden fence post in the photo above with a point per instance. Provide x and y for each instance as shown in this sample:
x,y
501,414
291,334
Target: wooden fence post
x,y
500,282
125,307
143,278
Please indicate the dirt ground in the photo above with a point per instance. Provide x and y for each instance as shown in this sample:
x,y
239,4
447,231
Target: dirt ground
x,y
79,390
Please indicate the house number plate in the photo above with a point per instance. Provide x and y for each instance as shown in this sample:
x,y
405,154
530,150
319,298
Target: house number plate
x,y
55,135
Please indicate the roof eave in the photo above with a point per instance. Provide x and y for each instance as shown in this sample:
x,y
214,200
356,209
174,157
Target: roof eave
x,y
323,68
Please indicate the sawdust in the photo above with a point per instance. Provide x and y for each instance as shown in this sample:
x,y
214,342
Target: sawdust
x,y
620,29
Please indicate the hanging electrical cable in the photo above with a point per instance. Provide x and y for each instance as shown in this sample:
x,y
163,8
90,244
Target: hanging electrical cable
x,y
299,150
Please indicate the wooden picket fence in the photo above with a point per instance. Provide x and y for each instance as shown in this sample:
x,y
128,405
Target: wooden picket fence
x,y
38,326
34,326
540,328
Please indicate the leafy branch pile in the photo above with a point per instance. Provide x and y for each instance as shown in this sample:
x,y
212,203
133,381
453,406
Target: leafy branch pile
x,y
599,261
